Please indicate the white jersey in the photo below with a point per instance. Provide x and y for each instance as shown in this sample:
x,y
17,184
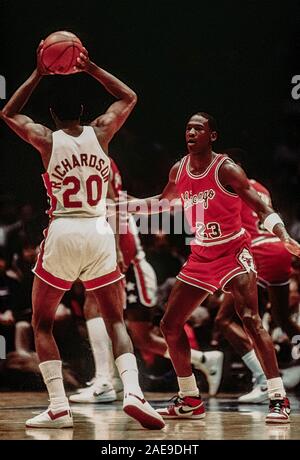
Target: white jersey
x,y
77,176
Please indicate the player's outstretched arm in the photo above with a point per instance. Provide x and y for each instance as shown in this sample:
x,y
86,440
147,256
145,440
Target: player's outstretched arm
x,y
115,116
233,176
158,203
31,132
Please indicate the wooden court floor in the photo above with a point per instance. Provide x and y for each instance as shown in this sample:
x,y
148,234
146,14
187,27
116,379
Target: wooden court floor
x,y
225,419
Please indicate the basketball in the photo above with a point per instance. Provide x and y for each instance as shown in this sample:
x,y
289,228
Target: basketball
x,y
59,52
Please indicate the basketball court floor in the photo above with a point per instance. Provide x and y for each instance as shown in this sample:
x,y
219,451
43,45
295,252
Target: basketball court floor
x,y
225,419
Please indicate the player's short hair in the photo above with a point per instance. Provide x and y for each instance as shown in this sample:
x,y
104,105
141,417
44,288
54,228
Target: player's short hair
x,y
212,122
67,109
66,102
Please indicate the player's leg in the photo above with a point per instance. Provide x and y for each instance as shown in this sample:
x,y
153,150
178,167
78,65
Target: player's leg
x,y
184,298
279,298
45,300
101,391
235,334
111,301
141,289
244,290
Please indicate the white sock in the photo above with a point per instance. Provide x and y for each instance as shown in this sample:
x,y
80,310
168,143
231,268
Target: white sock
x,y
196,356
101,346
128,371
252,362
187,386
52,375
275,388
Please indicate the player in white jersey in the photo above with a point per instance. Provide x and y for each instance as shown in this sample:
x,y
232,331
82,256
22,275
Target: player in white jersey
x,y
79,243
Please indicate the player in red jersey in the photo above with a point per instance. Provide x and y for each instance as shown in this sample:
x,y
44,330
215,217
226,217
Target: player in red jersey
x,y
211,188
273,263
141,293
79,242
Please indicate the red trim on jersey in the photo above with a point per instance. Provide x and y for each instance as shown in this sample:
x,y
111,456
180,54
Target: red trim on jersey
x,y
104,280
52,198
54,281
141,283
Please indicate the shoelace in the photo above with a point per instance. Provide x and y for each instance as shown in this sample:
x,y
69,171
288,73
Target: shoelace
x,y
276,405
175,401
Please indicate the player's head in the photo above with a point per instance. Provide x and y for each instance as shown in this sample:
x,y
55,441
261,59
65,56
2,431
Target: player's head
x,y
66,111
201,132
65,104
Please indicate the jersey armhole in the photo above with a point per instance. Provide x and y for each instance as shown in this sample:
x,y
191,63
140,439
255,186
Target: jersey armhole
x,y
98,142
180,169
234,195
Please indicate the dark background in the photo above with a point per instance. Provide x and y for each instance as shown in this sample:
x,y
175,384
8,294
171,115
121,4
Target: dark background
x,y
233,59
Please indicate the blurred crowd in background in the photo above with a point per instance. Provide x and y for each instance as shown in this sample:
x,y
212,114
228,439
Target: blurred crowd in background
x,y
21,232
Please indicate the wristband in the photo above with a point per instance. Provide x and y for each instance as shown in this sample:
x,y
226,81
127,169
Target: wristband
x,y
271,220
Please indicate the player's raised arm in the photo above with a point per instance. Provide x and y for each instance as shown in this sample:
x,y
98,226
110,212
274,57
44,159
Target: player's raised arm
x,y
115,116
33,133
233,176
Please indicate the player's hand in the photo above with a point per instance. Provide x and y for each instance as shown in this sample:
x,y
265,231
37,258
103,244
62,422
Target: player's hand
x,y
82,61
292,246
40,67
120,261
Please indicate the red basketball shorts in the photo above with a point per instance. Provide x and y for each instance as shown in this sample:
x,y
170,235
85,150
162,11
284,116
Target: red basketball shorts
x,y
273,262
212,267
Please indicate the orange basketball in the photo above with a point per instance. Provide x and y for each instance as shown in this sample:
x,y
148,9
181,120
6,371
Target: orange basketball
x,y
60,51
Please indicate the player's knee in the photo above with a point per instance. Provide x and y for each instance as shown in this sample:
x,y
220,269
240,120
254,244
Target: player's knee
x,y
169,329
252,322
42,323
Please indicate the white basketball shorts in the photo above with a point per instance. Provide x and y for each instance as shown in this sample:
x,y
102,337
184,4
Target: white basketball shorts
x,y
78,248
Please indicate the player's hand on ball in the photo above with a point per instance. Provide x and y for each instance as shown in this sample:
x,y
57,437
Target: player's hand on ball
x,y
82,61
40,67
292,246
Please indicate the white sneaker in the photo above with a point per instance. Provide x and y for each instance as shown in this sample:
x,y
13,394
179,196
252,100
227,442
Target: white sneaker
x,y
258,395
49,419
213,370
88,385
118,387
97,393
139,409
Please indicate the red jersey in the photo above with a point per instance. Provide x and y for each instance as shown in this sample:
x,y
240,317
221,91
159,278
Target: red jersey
x,y
128,239
250,219
115,177
213,213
